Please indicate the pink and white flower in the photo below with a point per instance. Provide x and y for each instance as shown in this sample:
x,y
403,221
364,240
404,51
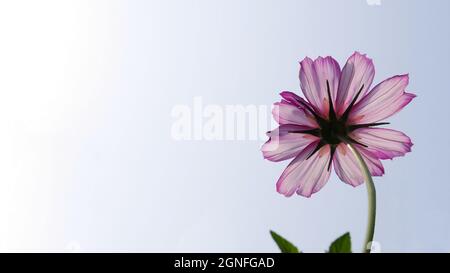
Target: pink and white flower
x,y
339,108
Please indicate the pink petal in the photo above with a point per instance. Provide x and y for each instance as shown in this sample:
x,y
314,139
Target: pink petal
x,y
386,99
306,176
313,79
347,167
358,71
293,99
384,143
285,112
283,144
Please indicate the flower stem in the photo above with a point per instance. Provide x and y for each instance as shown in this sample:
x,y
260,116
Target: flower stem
x,y
371,198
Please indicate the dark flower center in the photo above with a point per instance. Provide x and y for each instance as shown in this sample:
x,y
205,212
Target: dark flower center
x,y
334,130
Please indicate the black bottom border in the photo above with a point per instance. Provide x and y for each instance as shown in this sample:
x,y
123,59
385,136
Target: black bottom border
x,y
216,262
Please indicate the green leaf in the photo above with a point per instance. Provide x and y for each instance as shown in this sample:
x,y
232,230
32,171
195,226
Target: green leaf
x,y
284,245
342,244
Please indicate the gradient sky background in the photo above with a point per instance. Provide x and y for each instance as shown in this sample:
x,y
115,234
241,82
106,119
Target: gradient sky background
x,y
87,161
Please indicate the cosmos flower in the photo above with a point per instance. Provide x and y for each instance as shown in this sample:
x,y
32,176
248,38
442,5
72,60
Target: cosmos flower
x,y
339,108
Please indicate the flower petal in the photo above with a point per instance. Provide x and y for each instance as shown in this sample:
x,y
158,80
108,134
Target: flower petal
x,y
313,79
285,112
357,72
347,167
384,143
294,99
283,144
386,99
304,175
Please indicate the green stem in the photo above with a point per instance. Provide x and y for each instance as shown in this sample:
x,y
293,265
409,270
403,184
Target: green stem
x,y
372,199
